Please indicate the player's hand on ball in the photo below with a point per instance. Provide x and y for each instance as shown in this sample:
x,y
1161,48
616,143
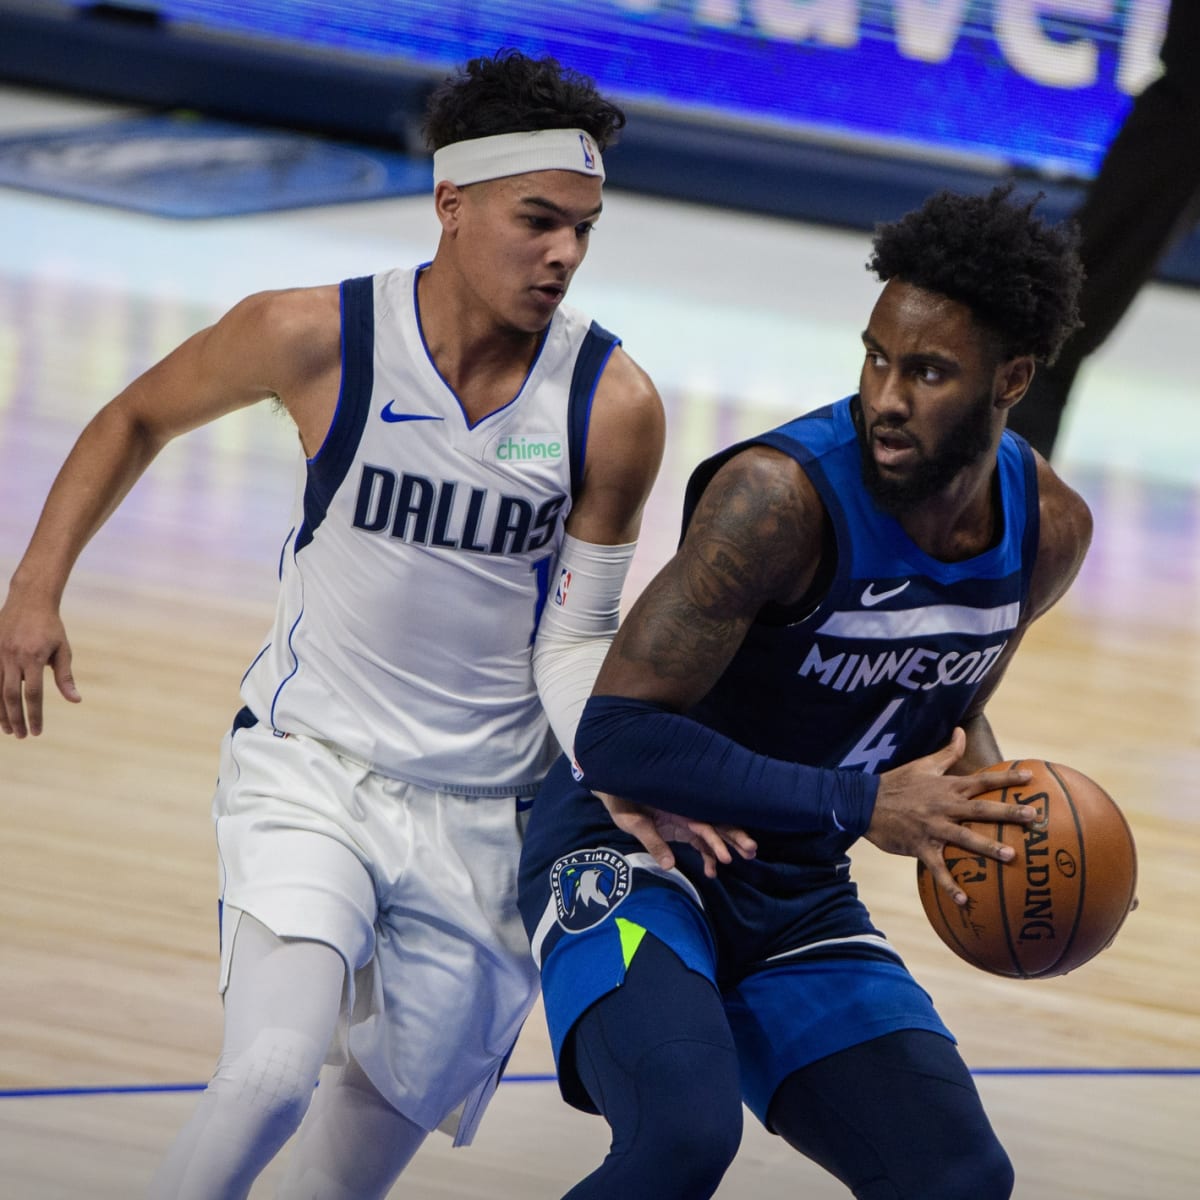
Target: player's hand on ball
x,y
920,810
1064,894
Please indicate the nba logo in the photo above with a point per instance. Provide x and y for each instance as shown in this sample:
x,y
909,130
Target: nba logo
x,y
589,155
564,582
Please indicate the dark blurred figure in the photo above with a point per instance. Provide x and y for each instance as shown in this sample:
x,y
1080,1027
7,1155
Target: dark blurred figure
x,y
1146,192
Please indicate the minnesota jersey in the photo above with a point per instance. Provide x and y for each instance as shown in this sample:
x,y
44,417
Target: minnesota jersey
x,y
888,661
421,552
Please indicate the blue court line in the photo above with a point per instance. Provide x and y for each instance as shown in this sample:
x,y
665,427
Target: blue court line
x,y
110,1090
152,1088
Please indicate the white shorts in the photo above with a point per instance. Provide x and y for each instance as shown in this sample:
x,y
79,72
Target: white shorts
x,y
415,889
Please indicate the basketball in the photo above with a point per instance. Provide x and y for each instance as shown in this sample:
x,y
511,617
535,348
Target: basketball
x,y
1060,900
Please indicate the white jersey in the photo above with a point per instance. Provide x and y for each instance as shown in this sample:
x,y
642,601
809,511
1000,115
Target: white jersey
x,y
421,554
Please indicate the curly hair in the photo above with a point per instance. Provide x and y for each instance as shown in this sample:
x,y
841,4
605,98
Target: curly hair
x,y
513,93
1019,276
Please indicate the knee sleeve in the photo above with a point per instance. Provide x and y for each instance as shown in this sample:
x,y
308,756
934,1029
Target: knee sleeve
x,y
669,1105
657,1058
252,1105
897,1118
352,1144
982,1170
270,1082
281,1009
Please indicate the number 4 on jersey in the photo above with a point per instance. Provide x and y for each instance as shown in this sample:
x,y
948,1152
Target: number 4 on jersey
x,y
874,746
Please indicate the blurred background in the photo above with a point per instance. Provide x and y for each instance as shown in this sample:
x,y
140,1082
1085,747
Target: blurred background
x,y
834,110
160,161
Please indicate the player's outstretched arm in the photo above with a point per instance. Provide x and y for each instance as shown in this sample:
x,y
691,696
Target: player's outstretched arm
x,y
653,824
281,345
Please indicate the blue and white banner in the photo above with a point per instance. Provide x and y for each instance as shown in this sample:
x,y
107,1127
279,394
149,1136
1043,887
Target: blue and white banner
x,y
1032,83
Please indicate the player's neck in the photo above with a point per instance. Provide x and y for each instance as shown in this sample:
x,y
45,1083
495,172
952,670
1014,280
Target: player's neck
x,y
962,520
473,351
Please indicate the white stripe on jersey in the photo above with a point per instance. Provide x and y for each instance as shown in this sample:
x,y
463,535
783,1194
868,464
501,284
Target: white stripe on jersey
x,y
914,622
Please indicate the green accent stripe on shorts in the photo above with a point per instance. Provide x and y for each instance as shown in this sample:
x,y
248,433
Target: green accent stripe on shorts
x,y
631,938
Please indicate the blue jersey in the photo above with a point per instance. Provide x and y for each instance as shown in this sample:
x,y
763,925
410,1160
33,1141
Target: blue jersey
x,y
882,667
875,672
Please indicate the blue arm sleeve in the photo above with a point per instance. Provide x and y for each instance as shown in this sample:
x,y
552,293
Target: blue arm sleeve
x,y
650,755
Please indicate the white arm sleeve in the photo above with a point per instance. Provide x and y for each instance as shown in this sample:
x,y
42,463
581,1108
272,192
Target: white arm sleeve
x,y
577,626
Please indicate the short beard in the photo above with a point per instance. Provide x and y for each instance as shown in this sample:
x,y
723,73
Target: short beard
x,y
962,446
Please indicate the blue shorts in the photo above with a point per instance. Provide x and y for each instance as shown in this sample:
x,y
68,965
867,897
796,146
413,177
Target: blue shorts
x,y
820,978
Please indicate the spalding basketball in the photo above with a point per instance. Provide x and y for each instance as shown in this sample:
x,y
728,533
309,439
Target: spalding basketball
x,y
1060,900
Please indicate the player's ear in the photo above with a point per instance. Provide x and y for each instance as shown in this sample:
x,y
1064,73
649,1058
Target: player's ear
x,y
1012,380
447,203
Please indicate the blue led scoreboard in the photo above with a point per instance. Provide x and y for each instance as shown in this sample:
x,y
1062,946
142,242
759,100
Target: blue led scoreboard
x,y
1036,84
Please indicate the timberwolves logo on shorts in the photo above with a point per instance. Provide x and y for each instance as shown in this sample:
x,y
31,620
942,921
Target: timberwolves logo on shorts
x,y
587,886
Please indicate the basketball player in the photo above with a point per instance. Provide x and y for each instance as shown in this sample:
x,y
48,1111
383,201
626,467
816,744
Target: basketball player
x,y
477,459
814,663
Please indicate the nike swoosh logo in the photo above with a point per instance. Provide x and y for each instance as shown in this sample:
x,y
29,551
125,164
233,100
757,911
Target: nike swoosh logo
x,y
389,414
871,597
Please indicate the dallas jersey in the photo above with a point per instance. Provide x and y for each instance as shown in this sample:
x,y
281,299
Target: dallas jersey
x,y
889,660
421,554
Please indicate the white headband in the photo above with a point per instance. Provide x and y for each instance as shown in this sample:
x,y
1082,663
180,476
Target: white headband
x,y
479,159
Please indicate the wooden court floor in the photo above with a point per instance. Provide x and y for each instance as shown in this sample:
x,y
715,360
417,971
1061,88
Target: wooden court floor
x,y
109,1016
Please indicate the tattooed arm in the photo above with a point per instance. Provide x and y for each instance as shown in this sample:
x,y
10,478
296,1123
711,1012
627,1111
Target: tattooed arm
x,y
755,538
